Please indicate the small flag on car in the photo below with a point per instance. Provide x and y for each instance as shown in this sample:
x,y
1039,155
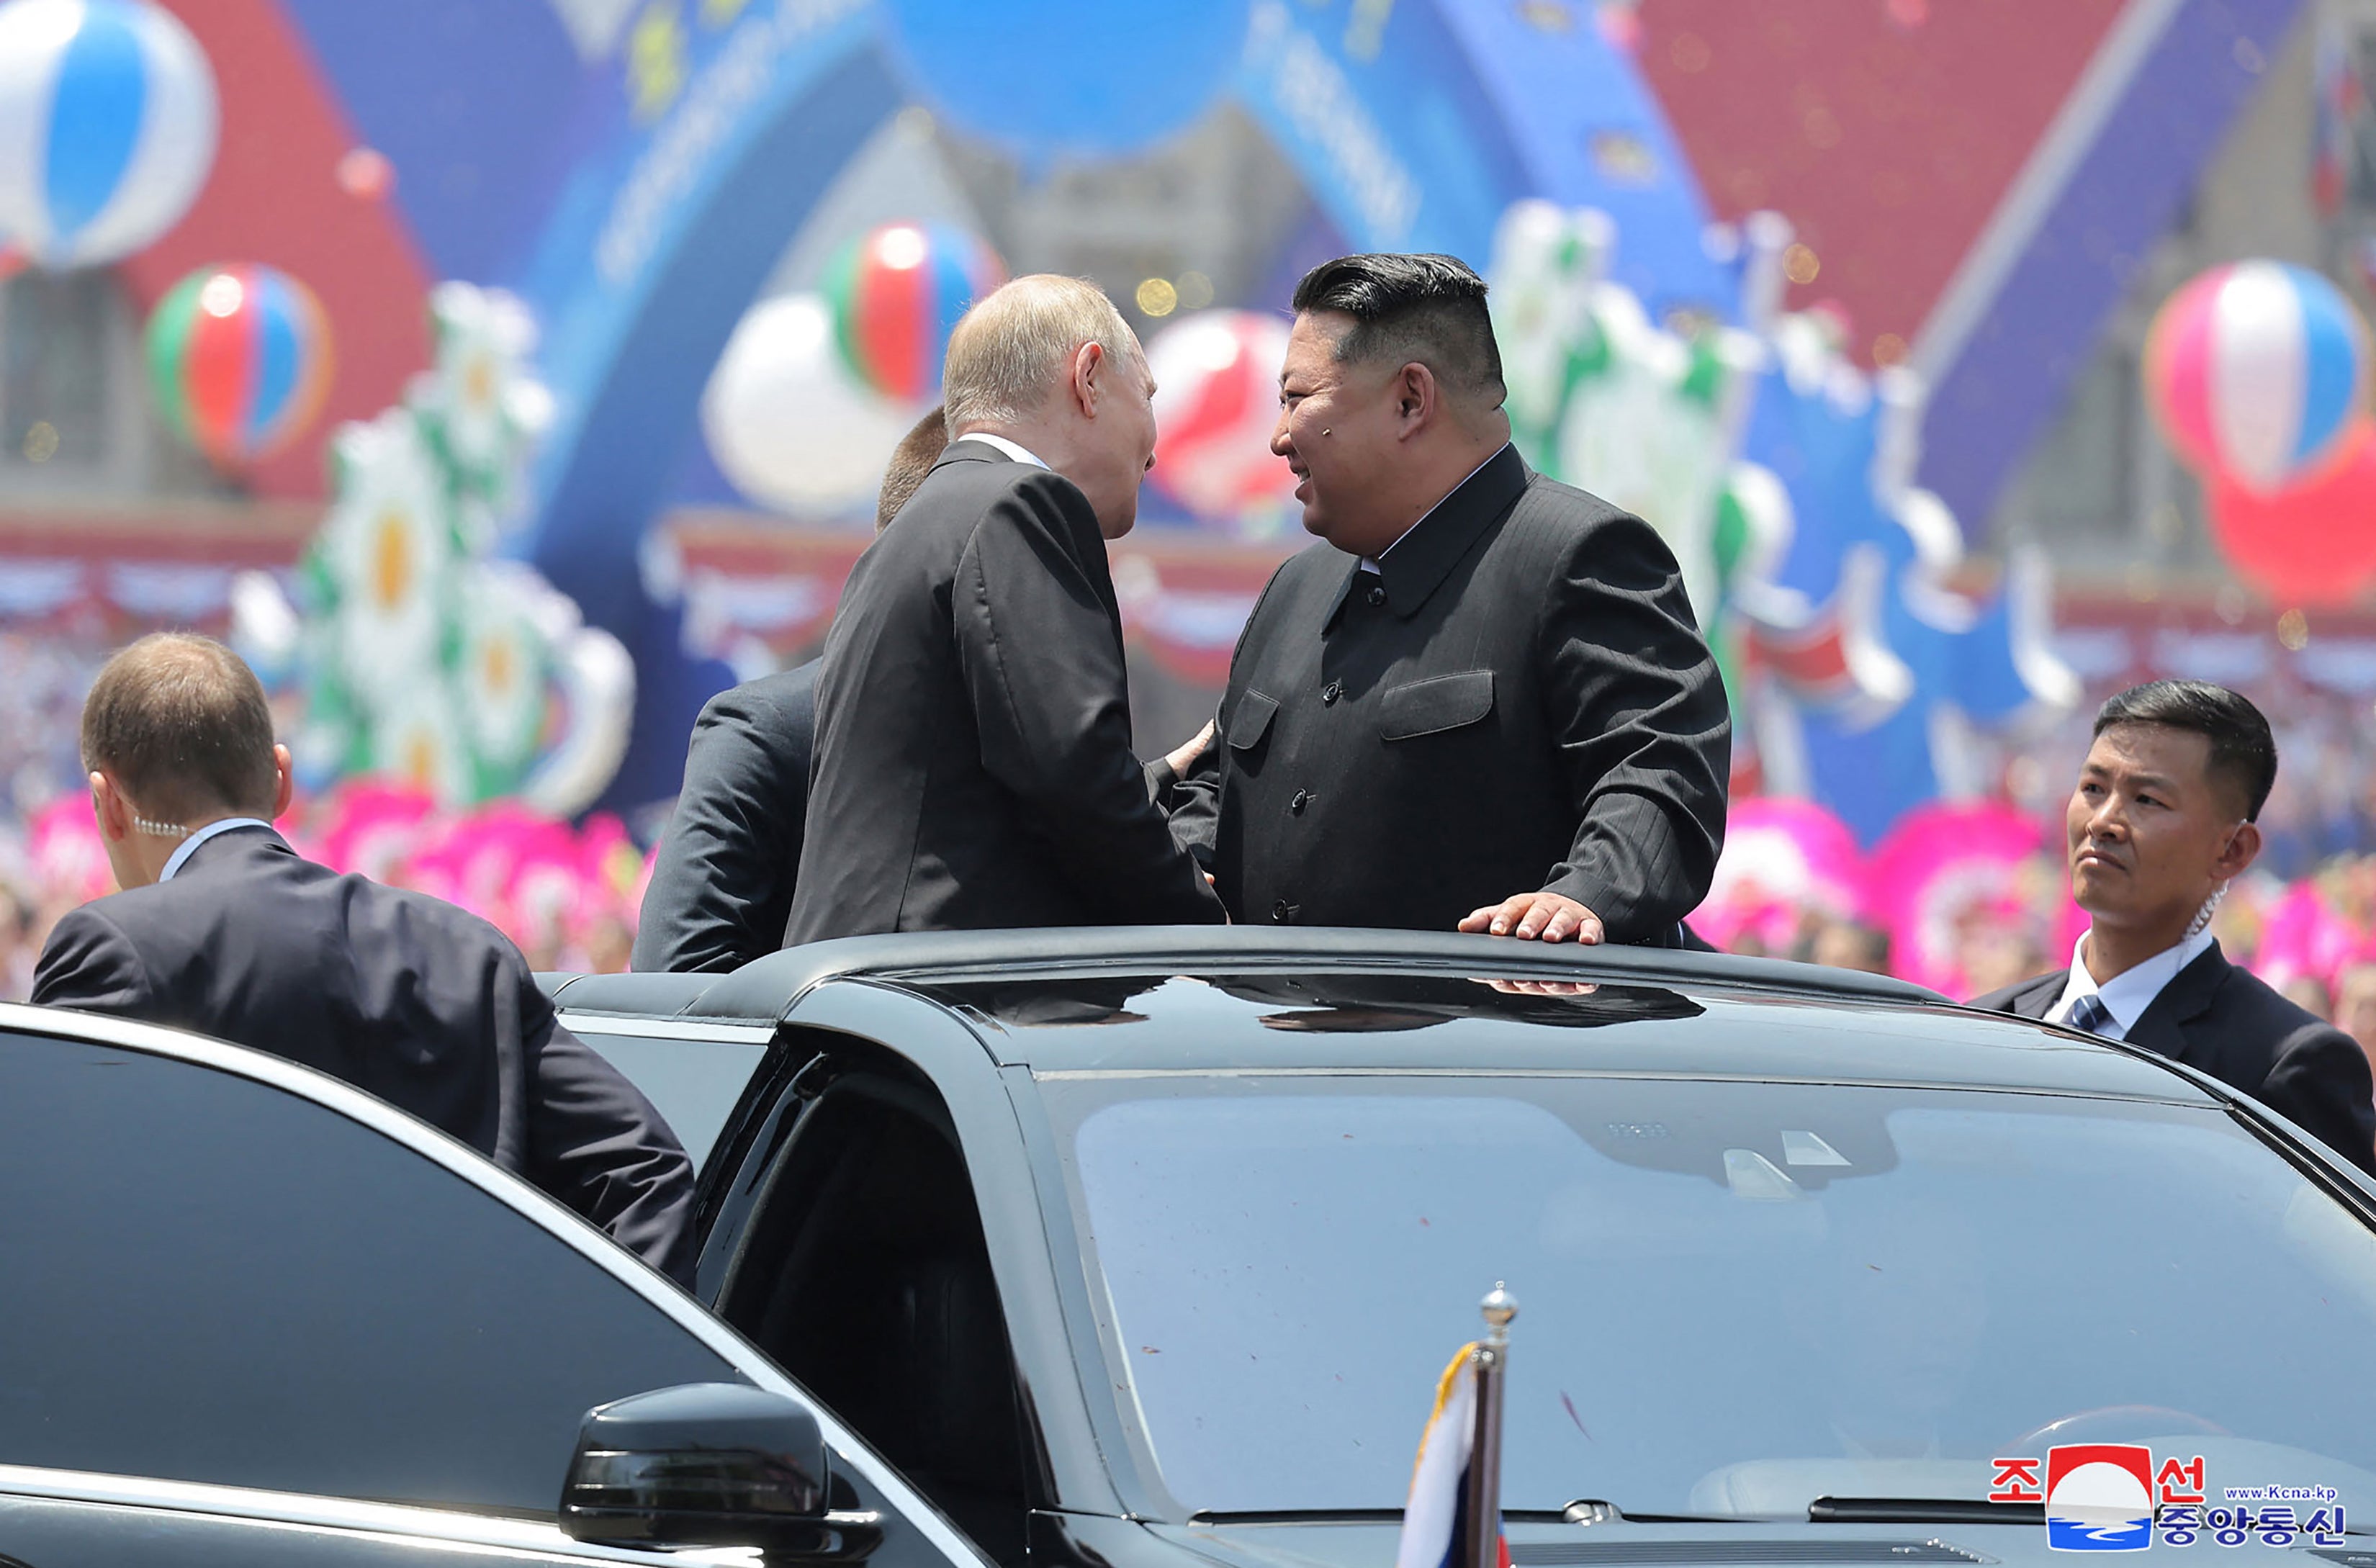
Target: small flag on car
x,y
1456,1483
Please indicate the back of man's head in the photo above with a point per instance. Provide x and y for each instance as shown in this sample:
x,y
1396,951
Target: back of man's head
x,y
1015,349
910,461
181,724
1425,309
2243,755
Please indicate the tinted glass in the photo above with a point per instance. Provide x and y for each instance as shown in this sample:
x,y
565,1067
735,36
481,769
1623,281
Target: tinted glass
x,y
693,1084
1736,1297
211,1280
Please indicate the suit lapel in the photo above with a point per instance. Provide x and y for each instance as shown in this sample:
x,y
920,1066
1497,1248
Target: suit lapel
x,y
2162,1026
2037,999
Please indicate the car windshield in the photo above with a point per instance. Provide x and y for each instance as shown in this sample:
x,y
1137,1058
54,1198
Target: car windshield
x,y
1736,1297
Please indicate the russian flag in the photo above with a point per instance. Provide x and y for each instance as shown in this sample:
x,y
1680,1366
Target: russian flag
x,y
1436,1517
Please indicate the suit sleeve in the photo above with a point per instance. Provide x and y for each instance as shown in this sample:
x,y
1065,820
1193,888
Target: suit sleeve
x,y
2320,1080
1194,802
1195,807
1041,655
722,887
88,964
1644,730
597,1145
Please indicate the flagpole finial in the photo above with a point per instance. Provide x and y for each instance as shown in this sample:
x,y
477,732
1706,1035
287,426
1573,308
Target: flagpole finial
x,y
1499,1307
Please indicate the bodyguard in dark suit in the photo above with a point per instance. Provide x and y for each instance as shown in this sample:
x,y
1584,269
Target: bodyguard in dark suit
x,y
2161,821
721,887
1482,701
221,928
720,892
974,766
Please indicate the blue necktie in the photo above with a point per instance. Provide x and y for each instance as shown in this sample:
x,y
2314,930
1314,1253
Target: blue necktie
x,y
2089,1013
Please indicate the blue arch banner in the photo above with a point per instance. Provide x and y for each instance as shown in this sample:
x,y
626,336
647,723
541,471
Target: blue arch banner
x,y
685,158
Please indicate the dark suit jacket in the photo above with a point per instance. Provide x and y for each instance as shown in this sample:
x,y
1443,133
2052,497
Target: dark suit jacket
x,y
1520,701
721,887
2227,1022
420,1003
974,766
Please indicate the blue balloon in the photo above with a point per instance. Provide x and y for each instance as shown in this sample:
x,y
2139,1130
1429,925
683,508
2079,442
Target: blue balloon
x,y
1089,79
107,127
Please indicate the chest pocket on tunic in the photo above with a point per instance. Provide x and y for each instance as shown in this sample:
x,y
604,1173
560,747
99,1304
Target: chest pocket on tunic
x,y
1435,705
1249,721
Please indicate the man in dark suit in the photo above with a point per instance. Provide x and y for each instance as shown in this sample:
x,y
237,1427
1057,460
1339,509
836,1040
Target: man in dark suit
x,y
721,888
221,928
2162,819
974,766
1481,702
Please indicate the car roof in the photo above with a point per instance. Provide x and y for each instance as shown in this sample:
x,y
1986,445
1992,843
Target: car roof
x,y
1137,999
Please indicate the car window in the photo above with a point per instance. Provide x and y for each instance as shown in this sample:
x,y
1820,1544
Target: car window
x,y
865,1275
1736,1297
694,1084
208,1279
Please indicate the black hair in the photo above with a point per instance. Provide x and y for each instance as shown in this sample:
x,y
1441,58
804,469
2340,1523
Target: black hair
x,y
2243,752
1428,308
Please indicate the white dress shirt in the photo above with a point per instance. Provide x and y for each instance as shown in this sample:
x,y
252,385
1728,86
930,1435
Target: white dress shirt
x,y
1013,449
2127,994
190,846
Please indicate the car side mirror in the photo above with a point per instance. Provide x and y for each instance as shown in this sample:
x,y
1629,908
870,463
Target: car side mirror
x,y
708,1464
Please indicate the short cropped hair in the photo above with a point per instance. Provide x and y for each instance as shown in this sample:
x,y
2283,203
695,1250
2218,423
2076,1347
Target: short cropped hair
x,y
1013,348
1427,308
181,722
910,461
2243,752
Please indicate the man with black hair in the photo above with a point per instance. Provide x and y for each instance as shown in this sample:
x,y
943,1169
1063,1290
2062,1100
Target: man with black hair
x,y
2161,821
1482,700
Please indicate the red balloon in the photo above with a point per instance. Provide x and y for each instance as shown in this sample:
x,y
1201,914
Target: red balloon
x,y
2312,543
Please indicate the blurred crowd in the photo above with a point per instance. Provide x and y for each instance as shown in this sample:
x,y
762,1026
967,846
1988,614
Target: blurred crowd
x,y
1965,899
567,894
1988,921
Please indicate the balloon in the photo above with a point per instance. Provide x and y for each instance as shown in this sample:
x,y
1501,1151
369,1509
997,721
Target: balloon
x,y
1216,405
107,127
239,358
2313,543
365,174
788,423
1048,77
2256,372
897,294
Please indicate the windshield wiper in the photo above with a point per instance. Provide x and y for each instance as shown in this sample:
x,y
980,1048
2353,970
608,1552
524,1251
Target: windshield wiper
x,y
1922,1511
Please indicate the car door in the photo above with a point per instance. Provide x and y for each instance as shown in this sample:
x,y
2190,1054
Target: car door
x,y
247,1312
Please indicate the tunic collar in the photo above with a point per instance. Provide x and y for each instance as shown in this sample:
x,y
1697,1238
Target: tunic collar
x,y
1416,565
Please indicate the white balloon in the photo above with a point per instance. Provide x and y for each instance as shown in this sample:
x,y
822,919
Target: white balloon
x,y
172,149
788,423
